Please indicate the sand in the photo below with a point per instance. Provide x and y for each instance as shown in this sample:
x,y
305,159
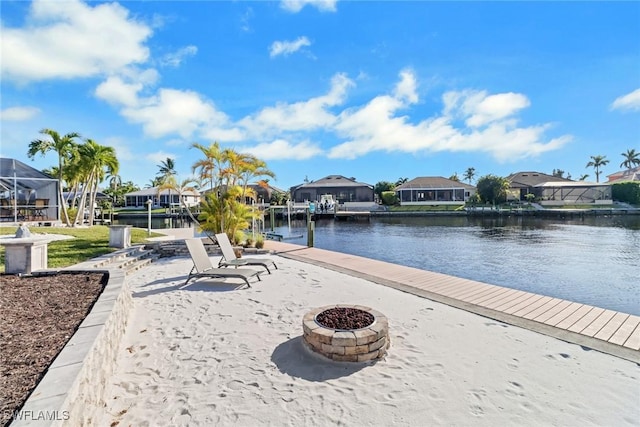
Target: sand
x,y
213,354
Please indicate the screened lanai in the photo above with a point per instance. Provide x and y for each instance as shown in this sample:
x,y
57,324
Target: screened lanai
x,y
559,193
26,194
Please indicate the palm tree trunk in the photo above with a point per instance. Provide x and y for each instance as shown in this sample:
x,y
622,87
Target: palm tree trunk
x,y
92,201
83,201
63,204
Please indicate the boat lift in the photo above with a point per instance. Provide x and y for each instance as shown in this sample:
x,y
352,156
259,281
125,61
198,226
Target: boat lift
x,y
308,208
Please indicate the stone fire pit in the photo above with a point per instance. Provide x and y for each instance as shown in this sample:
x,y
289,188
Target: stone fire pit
x,y
346,333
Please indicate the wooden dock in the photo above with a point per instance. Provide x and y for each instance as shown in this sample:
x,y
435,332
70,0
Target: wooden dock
x,y
592,327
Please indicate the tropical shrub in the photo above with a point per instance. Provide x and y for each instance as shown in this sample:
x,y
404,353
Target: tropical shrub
x,y
389,198
492,188
382,187
225,213
259,241
628,192
238,237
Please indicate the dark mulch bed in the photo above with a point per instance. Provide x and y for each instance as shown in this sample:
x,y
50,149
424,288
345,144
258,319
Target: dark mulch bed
x,y
40,313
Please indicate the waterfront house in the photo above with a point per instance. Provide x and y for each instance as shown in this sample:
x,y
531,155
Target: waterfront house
x,y
165,198
434,190
263,192
26,194
558,193
551,190
632,174
343,189
523,183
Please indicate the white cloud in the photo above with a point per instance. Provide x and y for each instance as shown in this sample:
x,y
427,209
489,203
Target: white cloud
x,y
296,6
123,152
495,107
174,59
288,47
489,128
245,20
116,92
300,116
479,108
173,111
71,39
281,149
18,114
160,156
406,87
629,102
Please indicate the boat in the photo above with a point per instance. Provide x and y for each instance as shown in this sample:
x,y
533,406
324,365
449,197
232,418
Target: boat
x,y
327,203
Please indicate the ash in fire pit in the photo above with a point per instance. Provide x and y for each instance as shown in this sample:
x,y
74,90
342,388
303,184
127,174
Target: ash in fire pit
x,y
347,333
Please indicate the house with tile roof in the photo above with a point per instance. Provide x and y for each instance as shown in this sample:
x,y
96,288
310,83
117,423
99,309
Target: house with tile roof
x,y
632,174
165,198
343,190
551,190
434,190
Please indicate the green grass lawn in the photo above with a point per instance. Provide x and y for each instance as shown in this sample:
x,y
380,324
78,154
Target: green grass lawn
x,y
88,243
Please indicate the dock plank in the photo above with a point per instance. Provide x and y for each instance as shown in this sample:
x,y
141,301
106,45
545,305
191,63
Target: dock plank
x,y
624,331
513,298
574,317
529,308
586,320
611,327
565,313
542,309
633,342
554,311
598,323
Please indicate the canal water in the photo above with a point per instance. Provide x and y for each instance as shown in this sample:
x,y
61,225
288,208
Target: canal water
x,y
595,260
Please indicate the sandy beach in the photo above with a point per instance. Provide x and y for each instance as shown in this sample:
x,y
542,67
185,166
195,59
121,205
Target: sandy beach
x,y
214,353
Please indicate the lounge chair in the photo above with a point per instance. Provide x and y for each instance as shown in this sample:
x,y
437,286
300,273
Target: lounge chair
x,y
202,266
229,257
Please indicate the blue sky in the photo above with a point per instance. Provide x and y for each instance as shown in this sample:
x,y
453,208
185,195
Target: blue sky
x,y
371,90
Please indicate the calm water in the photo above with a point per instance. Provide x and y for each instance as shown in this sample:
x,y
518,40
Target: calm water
x,y
595,261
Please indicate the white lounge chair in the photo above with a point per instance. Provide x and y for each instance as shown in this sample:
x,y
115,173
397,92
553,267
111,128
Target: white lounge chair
x,y
202,266
229,258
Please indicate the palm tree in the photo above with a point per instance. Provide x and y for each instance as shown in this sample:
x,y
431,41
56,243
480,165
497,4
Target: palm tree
x,y
155,182
469,174
208,166
96,161
182,187
167,168
583,177
64,146
631,159
249,168
115,181
597,162
401,181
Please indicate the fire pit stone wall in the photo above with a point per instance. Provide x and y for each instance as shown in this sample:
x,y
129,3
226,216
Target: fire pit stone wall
x,y
359,345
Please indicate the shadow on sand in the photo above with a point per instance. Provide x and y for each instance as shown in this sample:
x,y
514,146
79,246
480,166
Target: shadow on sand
x,y
292,357
177,284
